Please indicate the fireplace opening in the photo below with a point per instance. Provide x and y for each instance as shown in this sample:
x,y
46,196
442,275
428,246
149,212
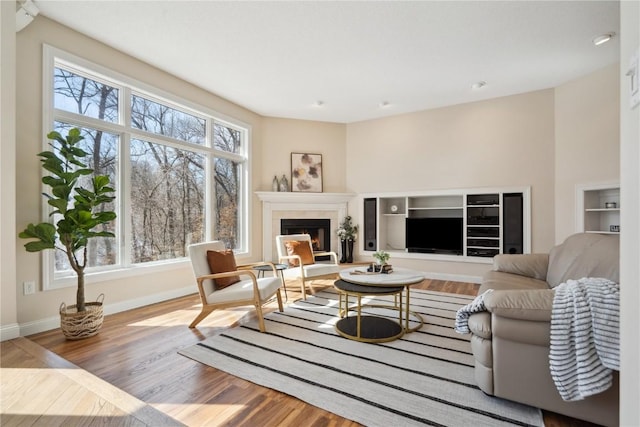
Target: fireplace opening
x,y
318,229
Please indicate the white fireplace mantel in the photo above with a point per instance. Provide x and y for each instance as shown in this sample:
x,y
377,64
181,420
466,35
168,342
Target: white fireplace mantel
x,y
295,205
293,197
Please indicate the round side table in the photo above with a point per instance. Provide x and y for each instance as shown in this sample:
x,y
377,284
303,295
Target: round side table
x,y
368,327
403,277
279,268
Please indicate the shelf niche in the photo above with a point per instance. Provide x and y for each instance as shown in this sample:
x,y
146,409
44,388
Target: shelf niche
x,y
598,208
482,214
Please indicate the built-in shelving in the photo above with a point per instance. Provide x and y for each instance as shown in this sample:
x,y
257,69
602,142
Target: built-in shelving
x,y
481,213
483,233
598,208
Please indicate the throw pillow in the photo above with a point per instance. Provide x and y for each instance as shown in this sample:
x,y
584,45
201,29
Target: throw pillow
x,y
300,248
222,262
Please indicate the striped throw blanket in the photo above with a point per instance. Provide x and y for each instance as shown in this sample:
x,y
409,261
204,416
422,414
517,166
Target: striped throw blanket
x,y
462,315
585,337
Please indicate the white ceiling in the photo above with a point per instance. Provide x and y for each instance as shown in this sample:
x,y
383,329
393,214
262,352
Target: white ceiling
x,y
281,58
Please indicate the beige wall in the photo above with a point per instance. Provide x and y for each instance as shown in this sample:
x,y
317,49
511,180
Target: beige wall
x,y
281,137
500,142
587,138
503,141
119,293
8,289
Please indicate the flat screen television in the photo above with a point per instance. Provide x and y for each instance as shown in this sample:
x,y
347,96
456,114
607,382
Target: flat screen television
x,y
434,235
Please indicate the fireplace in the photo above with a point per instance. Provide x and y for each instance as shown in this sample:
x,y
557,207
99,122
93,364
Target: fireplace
x,y
298,205
319,229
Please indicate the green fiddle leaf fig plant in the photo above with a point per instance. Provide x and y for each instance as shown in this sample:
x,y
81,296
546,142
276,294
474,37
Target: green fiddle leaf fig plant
x,y
79,209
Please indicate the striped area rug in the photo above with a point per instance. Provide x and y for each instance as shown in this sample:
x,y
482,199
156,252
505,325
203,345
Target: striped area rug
x,y
424,378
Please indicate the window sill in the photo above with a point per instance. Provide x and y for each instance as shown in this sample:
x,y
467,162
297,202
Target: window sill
x,y
70,280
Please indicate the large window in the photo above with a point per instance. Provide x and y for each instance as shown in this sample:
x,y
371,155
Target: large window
x,y
179,170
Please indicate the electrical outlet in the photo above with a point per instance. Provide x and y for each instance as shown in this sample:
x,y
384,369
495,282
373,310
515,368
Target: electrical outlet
x,y
29,287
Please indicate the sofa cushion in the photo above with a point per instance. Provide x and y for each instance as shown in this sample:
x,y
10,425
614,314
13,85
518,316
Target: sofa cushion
x,y
300,248
244,290
530,304
529,265
498,280
223,262
585,255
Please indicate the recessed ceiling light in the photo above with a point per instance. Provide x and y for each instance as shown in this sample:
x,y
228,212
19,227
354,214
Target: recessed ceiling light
x,y
318,104
384,104
603,38
478,85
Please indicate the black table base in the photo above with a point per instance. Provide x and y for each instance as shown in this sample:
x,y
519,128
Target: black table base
x,y
364,327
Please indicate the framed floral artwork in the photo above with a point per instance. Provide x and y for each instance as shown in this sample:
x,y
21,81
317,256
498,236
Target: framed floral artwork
x,y
306,172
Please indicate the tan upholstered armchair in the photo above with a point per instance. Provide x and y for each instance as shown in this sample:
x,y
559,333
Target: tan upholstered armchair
x,y
296,251
222,284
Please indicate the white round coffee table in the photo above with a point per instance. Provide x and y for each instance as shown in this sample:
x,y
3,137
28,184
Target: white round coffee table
x,y
399,277
366,283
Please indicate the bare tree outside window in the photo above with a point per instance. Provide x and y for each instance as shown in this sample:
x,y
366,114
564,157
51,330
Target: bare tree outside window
x,y
84,96
164,190
162,120
226,138
167,201
167,184
227,184
91,98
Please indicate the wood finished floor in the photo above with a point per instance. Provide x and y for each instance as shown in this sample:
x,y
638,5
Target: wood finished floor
x,y
39,387
137,352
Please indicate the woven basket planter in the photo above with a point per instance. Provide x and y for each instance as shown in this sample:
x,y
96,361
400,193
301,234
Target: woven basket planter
x,y
77,326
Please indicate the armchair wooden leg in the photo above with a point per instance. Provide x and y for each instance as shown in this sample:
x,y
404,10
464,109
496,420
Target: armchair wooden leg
x,y
303,289
260,317
204,313
279,296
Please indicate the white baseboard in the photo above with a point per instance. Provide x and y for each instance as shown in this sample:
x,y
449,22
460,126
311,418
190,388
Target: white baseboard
x,y
15,330
9,332
47,324
453,277
148,300
40,325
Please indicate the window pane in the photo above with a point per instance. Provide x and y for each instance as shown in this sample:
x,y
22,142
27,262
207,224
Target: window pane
x,y
226,138
227,186
167,201
84,96
102,149
160,119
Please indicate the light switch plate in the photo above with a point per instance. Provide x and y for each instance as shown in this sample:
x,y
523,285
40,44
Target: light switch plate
x,y
29,287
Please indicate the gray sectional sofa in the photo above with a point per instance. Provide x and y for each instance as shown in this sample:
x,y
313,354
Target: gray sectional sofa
x,y
510,341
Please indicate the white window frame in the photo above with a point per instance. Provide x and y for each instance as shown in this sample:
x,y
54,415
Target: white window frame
x,y
127,86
